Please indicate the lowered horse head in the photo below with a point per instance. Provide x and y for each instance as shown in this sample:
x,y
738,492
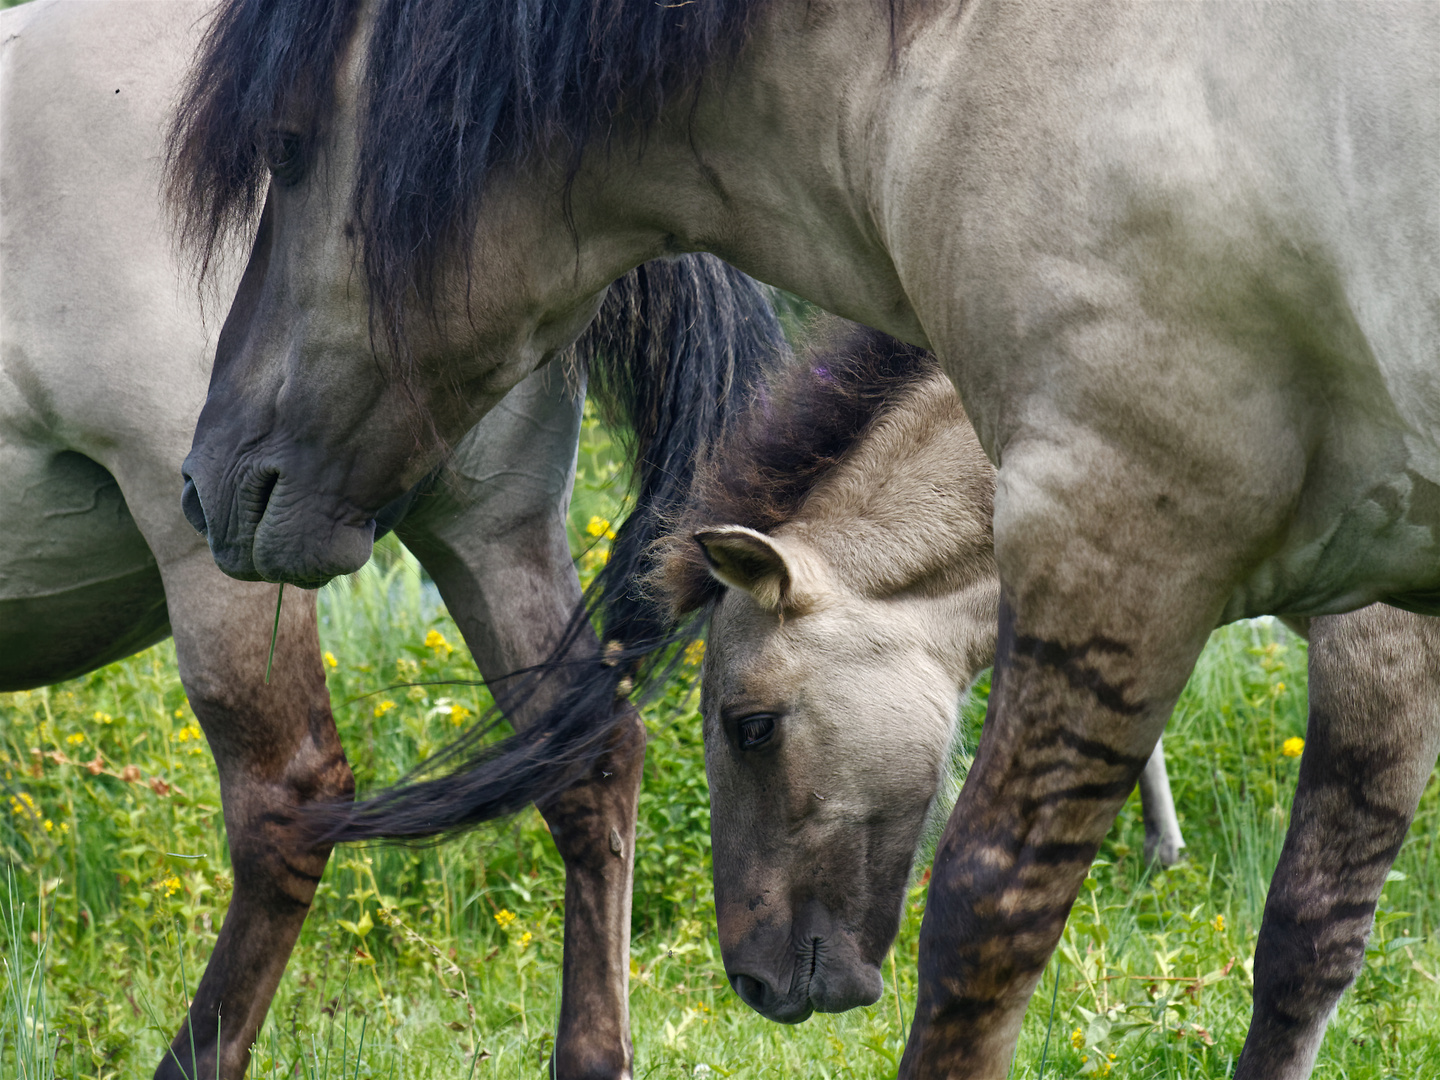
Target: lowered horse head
x,y
382,312
840,539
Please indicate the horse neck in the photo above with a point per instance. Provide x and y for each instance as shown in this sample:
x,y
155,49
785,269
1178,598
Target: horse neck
x,y
907,517
772,169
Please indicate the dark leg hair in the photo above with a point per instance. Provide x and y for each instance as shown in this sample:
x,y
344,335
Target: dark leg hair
x,y
1373,736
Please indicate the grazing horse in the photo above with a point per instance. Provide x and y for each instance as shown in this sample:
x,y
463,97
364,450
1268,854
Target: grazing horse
x,y
1179,260
838,540
105,360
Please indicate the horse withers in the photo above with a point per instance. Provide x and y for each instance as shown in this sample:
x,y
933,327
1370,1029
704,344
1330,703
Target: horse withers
x,y
1178,260
105,354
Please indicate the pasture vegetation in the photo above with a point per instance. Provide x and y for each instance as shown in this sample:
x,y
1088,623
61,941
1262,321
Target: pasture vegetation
x,y
445,961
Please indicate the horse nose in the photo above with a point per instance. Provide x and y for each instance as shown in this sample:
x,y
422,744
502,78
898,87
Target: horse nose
x,y
770,1003
751,990
190,504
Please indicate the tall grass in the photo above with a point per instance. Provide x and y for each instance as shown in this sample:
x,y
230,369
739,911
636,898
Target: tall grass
x,y
445,962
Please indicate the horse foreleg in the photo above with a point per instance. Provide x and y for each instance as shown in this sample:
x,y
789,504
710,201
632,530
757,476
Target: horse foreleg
x,y
593,825
276,748
1070,727
1374,732
1163,840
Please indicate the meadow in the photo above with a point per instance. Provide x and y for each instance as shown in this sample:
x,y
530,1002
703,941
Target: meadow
x,y
445,961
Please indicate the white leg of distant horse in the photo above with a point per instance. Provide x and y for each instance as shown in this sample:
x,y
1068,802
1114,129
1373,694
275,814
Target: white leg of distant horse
x,y
1163,840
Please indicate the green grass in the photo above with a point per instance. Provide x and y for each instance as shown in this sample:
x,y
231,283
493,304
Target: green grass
x,y
118,881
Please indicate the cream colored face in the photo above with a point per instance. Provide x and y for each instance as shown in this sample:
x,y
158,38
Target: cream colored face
x,y
827,730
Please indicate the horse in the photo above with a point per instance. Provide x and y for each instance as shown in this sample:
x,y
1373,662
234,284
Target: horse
x,y
106,354
1178,261
838,541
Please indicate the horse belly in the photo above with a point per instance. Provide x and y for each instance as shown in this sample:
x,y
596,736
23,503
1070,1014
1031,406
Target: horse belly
x,y
79,587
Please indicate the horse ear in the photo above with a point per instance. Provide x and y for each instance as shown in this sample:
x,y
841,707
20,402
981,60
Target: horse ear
x,y
783,577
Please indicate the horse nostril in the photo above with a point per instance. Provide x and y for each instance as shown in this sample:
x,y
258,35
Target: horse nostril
x,y
751,991
190,504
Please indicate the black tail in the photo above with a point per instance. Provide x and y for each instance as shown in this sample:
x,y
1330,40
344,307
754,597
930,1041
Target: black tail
x,y
672,357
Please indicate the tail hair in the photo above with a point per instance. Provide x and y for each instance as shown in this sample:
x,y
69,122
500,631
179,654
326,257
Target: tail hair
x,y
678,347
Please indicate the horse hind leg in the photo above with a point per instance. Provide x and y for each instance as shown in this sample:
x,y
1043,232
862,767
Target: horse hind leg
x,y
276,749
1163,839
1374,732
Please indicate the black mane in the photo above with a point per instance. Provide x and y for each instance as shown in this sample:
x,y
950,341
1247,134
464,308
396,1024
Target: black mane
x,y
799,426
454,88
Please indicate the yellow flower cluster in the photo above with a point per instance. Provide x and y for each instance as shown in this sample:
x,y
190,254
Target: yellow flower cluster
x,y
1077,1038
1218,923
330,660
171,885
22,804
505,917
75,739
103,718
1292,747
599,527
436,640
187,733
695,652
384,707
459,714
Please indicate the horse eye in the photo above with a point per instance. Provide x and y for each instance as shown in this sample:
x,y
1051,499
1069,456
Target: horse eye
x,y
756,731
282,156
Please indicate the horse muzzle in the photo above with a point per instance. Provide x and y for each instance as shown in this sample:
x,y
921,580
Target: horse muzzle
x,y
815,973
260,528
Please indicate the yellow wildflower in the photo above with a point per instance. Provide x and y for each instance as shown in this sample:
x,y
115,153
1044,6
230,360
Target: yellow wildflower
x,y
459,714
179,713
599,527
524,939
695,652
1293,747
1077,1039
186,733
49,825
76,739
330,660
384,707
171,884
1279,688
505,917
102,718
1218,923
22,804
436,640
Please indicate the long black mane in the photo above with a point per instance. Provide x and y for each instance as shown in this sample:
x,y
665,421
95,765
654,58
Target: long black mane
x,y
453,89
